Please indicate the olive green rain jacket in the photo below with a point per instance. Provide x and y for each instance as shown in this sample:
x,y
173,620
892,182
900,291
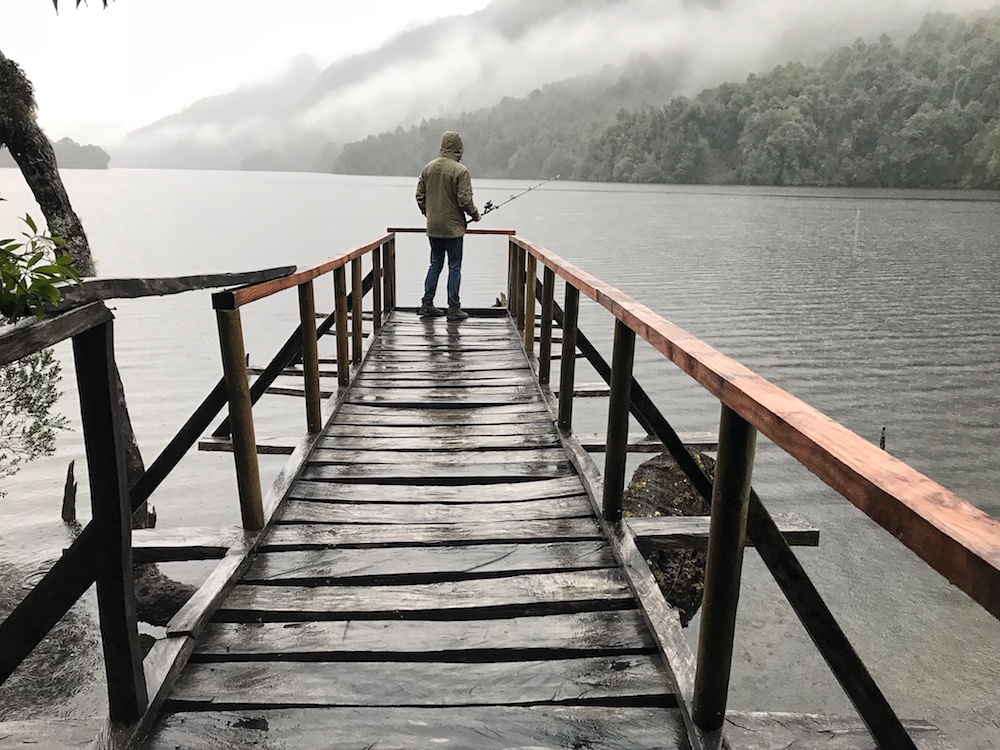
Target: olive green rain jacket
x,y
444,191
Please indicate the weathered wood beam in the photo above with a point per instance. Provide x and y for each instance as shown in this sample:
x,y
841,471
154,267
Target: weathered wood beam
x,y
280,390
277,447
639,442
589,390
30,336
97,384
691,532
92,290
172,545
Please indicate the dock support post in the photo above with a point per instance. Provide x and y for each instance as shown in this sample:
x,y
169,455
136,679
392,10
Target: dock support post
x,y
616,449
519,288
310,356
357,323
511,279
93,352
727,535
545,339
390,274
530,282
234,365
377,288
340,324
567,365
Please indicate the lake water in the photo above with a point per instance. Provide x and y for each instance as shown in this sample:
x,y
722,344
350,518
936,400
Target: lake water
x,y
879,308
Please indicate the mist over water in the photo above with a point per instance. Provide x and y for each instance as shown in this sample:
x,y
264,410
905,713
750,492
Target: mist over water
x,y
464,63
877,307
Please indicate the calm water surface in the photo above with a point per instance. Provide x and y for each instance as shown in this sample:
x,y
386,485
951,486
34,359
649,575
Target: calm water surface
x,y
879,308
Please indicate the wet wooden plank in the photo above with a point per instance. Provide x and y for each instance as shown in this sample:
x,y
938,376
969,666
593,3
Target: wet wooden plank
x,y
447,441
511,492
415,417
436,432
310,511
439,458
765,731
317,566
305,536
500,345
387,363
578,634
48,734
428,473
405,376
443,384
514,594
466,398
492,728
616,680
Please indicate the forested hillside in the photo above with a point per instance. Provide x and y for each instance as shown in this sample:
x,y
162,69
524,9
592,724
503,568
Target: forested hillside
x,y
545,133
924,112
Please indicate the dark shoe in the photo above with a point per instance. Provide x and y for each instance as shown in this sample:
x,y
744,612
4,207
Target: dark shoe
x,y
456,313
429,311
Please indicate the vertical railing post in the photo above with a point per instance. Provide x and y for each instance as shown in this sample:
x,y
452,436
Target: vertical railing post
x,y
616,449
357,321
548,313
94,355
511,279
531,280
390,274
377,289
519,288
310,356
234,365
727,535
340,324
567,366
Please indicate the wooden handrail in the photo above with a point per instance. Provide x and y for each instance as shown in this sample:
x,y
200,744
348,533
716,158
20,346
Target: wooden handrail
x,y
421,230
32,336
954,537
233,299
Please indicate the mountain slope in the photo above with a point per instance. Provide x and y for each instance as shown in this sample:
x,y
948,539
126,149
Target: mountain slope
x,y
510,48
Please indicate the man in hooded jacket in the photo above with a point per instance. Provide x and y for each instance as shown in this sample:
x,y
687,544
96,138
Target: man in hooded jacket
x,y
444,195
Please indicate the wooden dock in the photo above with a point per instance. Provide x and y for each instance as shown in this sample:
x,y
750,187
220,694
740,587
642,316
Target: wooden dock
x,y
437,576
440,562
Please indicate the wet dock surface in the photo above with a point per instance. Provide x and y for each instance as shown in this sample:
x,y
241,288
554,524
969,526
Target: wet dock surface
x,y
436,577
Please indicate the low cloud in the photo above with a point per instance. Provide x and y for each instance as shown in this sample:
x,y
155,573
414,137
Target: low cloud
x,y
509,49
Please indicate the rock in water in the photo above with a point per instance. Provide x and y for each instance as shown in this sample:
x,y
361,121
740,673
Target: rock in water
x,y
660,488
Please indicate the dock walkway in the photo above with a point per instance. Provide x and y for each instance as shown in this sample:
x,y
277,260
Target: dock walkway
x,y
437,577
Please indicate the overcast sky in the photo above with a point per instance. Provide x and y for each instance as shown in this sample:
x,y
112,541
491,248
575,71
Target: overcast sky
x,y
99,73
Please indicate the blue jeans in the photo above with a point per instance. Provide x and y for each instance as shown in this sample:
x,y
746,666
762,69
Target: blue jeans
x,y
440,247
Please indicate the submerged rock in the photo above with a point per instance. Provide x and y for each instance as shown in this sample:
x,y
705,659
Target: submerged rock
x,y
159,597
659,488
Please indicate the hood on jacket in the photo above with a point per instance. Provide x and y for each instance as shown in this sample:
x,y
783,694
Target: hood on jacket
x,y
451,145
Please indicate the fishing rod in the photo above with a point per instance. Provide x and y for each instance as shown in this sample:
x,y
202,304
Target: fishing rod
x,y
491,206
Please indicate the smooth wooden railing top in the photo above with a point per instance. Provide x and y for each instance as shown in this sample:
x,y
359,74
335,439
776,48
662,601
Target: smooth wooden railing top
x,y
233,299
957,539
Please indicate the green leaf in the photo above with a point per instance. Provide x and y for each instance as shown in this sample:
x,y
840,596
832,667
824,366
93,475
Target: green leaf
x,y
31,223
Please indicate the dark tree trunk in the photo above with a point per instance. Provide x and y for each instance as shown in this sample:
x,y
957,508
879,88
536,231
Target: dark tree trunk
x,y
31,149
21,134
